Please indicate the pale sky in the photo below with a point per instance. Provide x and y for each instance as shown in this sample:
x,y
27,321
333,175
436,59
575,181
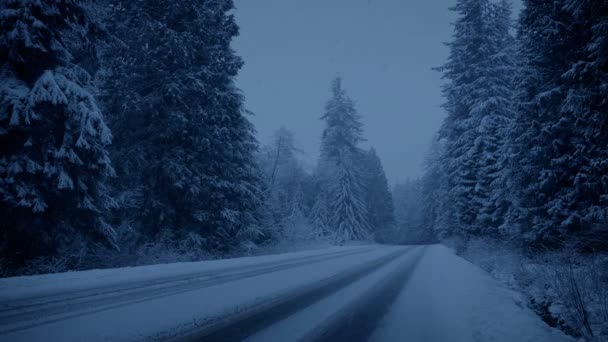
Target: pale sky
x,y
383,49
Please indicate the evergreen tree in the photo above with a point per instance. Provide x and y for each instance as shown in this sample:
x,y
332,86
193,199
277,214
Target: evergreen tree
x,y
542,133
434,192
183,142
377,196
587,81
341,174
467,103
528,163
53,138
319,215
496,109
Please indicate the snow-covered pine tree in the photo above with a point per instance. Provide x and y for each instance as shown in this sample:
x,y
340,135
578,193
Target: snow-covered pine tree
x,y
434,193
586,195
541,143
182,138
339,169
496,109
53,138
467,75
319,216
377,196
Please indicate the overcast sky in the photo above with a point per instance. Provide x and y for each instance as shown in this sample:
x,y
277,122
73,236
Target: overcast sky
x,y
383,49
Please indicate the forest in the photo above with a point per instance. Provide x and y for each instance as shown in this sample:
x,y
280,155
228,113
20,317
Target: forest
x,y
124,140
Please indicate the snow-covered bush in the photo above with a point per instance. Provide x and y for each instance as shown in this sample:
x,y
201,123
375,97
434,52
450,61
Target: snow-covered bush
x,y
167,248
503,262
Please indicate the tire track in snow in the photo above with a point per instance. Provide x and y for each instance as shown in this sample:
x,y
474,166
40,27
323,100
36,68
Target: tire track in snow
x,y
358,320
248,321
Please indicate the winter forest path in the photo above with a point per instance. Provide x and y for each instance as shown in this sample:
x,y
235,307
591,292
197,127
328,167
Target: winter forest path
x,y
378,293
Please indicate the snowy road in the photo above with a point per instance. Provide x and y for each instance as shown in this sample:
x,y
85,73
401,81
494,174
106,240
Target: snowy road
x,y
376,293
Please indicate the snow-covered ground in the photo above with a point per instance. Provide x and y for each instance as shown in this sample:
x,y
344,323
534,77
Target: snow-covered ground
x,y
306,322
164,314
68,282
443,298
450,299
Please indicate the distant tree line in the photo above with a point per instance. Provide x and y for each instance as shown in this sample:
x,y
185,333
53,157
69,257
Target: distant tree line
x,y
345,197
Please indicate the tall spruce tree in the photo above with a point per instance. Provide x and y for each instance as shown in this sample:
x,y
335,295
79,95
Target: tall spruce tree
x,y
377,196
466,93
340,172
183,143
587,102
53,138
542,134
497,110
434,192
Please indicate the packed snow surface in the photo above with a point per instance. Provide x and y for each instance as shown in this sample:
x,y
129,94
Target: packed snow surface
x,y
165,315
303,323
450,299
60,283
